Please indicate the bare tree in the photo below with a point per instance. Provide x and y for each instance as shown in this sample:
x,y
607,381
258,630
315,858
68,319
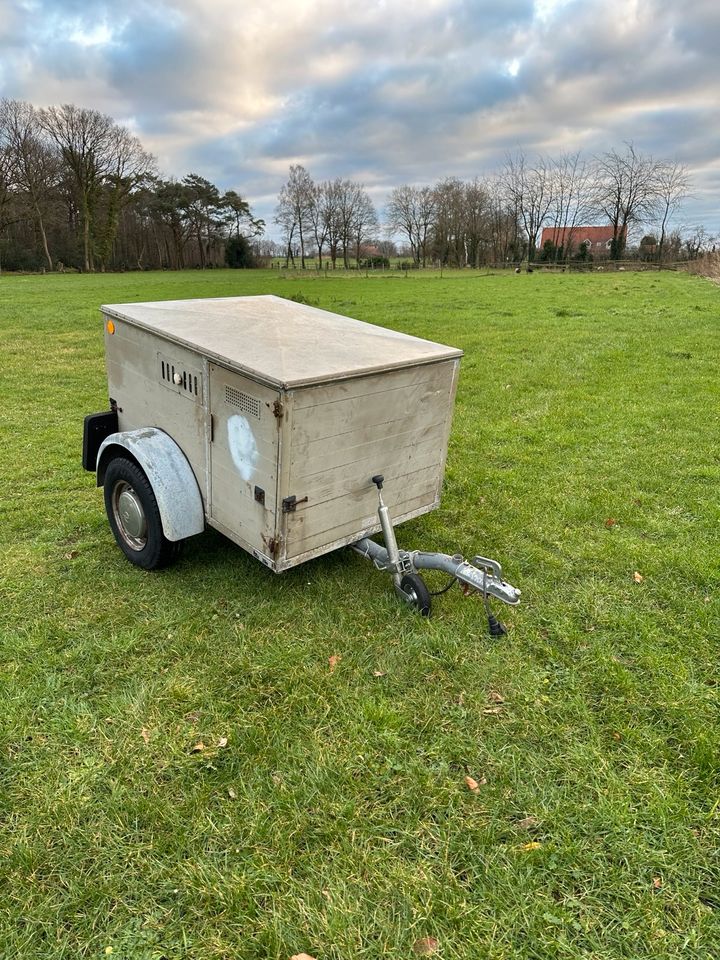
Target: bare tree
x,y
84,138
36,166
127,166
461,225
504,241
347,199
320,214
424,217
699,242
626,191
410,212
399,216
285,219
572,200
477,221
294,209
332,198
671,187
7,167
365,220
529,190
450,222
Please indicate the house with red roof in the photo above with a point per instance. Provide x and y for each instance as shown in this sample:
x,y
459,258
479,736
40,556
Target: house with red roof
x,y
598,240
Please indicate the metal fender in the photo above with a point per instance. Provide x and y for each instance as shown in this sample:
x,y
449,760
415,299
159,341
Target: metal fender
x,y
171,477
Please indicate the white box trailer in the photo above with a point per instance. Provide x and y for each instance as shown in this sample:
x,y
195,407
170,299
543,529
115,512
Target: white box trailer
x,y
273,422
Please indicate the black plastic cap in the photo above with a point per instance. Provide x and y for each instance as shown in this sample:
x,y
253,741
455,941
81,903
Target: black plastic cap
x,y
496,628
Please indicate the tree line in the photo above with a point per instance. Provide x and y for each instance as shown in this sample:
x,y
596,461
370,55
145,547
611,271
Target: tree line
x,y
79,190
335,218
495,219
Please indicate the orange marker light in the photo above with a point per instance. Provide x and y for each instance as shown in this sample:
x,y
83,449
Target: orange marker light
x,y
110,327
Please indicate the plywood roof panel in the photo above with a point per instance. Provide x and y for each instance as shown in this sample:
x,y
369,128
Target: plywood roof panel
x,y
280,342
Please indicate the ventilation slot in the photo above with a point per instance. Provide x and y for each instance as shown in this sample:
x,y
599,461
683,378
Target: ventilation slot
x,y
242,401
185,381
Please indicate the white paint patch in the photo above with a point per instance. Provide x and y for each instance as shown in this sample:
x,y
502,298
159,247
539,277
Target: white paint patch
x,y
243,448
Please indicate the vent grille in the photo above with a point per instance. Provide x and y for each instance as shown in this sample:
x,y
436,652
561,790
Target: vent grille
x,y
242,401
177,376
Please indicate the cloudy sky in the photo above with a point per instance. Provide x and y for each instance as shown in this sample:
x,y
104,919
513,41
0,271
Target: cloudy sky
x,y
384,92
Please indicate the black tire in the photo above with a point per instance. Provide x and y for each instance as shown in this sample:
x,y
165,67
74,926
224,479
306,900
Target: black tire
x,y
134,516
416,593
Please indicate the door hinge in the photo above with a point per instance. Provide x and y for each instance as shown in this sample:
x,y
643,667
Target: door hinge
x,y
290,503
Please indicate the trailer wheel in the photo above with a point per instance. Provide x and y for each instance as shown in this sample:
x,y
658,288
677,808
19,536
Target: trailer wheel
x,y
134,516
416,593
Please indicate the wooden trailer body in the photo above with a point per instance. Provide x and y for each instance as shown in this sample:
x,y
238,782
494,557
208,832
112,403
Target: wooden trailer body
x,y
284,413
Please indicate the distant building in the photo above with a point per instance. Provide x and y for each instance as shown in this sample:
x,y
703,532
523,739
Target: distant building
x,y
598,240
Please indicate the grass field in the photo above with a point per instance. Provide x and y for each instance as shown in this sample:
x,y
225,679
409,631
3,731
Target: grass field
x,y
336,820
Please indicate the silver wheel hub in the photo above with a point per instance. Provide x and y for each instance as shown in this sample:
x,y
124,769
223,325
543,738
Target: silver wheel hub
x,y
129,515
410,595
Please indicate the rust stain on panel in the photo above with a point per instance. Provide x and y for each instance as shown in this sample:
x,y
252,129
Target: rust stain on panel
x,y
272,545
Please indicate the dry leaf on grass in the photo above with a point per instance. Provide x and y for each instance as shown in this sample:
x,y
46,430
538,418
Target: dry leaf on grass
x,y
533,845
610,522
232,794
474,785
495,697
333,661
71,555
145,734
527,823
425,946
198,748
379,673
657,883
223,742
493,710
301,956
638,577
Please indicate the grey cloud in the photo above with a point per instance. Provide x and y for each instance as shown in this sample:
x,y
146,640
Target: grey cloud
x,y
378,91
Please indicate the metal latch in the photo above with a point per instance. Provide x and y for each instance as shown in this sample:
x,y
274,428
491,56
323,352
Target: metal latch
x,y
290,503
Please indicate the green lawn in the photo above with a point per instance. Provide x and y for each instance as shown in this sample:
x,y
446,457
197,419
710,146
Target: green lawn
x,y
336,820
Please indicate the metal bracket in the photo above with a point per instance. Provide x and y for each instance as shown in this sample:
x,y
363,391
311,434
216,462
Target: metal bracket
x,y
405,562
289,504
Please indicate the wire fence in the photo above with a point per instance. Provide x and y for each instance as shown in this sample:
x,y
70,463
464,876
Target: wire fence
x,y
408,267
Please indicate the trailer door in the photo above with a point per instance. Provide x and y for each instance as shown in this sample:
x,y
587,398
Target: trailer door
x,y
243,461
